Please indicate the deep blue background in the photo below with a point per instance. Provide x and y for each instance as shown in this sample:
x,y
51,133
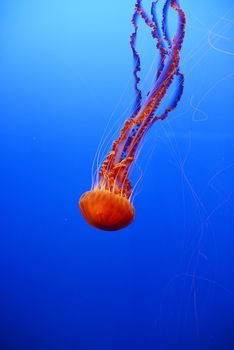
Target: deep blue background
x,y
165,282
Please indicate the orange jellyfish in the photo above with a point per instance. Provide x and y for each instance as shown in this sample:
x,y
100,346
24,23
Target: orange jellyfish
x,y
107,205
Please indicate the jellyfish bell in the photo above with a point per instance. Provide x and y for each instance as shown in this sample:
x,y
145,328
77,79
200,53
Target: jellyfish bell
x,y
106,210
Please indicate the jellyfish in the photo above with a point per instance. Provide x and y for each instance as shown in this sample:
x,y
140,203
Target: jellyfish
x,y
108,205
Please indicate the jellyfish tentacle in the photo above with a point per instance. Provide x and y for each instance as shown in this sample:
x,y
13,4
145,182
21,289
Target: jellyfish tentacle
x,y
165,32
176,99
143,120
154,100
114,156
179,38
160,41
153,24
137,63
114,173
130,133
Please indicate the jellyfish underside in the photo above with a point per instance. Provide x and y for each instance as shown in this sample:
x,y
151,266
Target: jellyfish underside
x,y
107,205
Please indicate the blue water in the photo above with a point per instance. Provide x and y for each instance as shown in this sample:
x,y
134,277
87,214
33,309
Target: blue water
x,y
166,281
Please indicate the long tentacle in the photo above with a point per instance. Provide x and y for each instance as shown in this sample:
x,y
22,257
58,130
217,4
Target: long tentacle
x,y
153,24
160,42
115,170
162,84
166,35
175,100
137,63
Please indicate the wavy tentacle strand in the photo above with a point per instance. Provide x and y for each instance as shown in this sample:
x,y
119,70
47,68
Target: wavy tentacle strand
x,y
124,149
165,32
155,32
102,207
160,42
137,63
